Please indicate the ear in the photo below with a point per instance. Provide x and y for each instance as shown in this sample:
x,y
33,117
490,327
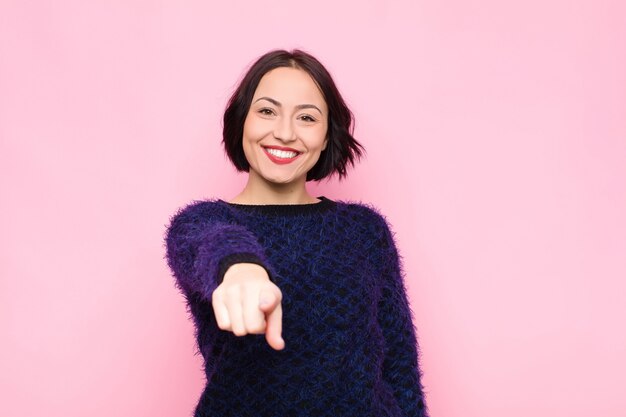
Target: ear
x,y
325,143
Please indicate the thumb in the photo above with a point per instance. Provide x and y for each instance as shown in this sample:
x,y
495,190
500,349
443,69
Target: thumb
x,y
267,300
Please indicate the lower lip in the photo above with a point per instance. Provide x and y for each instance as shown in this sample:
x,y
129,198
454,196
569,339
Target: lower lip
x,y
280,161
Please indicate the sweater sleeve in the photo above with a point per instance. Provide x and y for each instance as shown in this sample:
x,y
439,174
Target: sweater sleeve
x,y
200,247
400,368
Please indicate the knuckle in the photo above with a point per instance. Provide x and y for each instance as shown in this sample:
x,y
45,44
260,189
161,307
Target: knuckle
x,y
256,328
232,291
239,332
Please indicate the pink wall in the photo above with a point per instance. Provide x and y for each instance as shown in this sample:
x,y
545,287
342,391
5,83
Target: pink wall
x,y
496,140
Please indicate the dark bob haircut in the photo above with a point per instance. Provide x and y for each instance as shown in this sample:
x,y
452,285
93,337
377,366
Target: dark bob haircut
x,y
342,149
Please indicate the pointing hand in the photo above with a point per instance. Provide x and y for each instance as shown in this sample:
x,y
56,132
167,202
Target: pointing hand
x,y
247,302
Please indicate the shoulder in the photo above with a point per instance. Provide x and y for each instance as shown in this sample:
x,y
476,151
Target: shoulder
x,y
198,212
200,209
366,215
361,210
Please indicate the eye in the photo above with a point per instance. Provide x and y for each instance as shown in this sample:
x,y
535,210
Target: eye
x,y
307,118
266,111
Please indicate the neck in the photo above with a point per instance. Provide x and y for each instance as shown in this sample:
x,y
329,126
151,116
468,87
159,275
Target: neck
x,y
260,191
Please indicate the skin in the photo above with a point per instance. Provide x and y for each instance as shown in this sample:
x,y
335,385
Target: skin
x,y
287,110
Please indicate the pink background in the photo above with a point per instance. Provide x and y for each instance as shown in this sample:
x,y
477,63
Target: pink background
x,y
496,140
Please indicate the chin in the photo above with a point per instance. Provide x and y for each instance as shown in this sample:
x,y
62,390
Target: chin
x,y
280,180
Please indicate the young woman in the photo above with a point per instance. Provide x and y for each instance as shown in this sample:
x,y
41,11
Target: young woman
x,y
299,301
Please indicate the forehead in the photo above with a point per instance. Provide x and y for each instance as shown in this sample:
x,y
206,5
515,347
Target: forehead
x,y
290,86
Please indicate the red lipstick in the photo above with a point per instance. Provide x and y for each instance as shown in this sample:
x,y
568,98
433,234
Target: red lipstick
x,y
278,160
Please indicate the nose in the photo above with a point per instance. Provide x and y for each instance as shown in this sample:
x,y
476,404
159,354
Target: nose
x,y
283,130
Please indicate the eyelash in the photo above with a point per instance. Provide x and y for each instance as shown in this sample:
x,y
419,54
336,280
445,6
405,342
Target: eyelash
x,y
269,112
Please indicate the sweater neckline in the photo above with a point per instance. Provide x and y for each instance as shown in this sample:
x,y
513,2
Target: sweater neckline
x,y
321,206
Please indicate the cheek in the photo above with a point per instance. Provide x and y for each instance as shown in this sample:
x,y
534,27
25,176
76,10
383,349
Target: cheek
x,y
325,136
247,138
247,129
314,138
254,129
320,139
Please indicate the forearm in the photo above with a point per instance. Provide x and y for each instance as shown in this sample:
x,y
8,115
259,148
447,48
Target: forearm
x,y
199,252
401,365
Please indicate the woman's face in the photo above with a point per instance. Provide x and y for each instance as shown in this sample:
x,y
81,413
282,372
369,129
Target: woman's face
x,y
285,129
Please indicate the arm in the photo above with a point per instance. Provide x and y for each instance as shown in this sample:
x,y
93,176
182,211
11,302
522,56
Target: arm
x,y
400,368
200,247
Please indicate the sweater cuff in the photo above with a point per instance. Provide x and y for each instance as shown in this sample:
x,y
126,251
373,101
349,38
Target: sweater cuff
x,y
236,258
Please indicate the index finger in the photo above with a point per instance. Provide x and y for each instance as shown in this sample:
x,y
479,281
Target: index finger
x,y
274,320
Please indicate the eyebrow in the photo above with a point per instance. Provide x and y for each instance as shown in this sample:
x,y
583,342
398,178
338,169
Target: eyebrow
x,y
298,107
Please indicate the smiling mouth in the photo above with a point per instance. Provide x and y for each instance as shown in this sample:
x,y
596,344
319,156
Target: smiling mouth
x,y
278,153
281,156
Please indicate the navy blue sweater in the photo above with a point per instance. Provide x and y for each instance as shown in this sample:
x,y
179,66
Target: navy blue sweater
x,y
350,342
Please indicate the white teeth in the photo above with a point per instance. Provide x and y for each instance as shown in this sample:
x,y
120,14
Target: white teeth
x,y
281,154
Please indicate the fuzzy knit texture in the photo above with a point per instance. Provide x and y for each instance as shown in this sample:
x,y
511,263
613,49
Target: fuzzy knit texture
x,y
350,342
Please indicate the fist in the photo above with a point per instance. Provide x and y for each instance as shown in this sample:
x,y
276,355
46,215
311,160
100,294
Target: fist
x,y
247,302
